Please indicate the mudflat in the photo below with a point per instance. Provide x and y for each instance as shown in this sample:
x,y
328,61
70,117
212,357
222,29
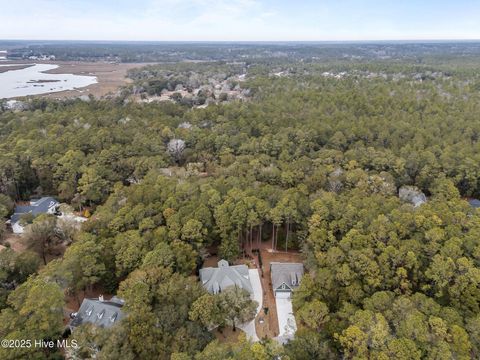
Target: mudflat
x,y
8,67
110,77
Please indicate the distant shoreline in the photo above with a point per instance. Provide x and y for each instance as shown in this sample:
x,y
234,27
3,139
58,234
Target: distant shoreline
x,y
14,67
110,76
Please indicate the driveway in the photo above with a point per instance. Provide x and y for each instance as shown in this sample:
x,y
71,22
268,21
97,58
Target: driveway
x,y
286,320
249,328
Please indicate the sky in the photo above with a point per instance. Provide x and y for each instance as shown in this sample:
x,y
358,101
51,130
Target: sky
x,y
240,20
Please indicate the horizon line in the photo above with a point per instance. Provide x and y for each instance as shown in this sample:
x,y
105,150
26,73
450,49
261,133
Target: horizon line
x,y
425,40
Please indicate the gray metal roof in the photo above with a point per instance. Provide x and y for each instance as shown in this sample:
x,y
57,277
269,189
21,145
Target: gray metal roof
x,y
215,280
474,203
36,207
289,274
100,313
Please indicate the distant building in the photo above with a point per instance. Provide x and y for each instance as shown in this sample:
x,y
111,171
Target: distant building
x,y
185,125
100,312
286,277
15,105
45,205
412,195
215,280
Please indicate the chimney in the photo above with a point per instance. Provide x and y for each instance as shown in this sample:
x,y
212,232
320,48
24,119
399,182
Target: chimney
x,y
100,298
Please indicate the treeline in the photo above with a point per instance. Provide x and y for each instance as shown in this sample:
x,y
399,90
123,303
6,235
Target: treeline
x,y
436,52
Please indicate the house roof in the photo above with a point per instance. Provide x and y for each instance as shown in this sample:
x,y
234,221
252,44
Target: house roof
x,y
474,203
412,194
36,207
289,273
214,280
100,313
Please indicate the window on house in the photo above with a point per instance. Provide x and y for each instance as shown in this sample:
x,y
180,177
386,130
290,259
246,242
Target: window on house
x,y
101,313
113,317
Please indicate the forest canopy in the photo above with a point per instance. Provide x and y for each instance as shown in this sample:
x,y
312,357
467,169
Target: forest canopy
x,y
312,160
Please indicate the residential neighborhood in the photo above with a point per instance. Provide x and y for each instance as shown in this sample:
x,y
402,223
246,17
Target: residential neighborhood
x,y
285,278
238,201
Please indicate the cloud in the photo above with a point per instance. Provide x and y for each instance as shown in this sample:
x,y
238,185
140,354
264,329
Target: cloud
x,y
236,20
149,20
195,13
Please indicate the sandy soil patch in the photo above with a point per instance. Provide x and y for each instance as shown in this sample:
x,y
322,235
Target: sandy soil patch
x,y
211,261
227,335
16,242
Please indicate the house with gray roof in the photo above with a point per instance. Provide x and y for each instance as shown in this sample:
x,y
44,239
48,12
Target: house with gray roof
x,y
412,194
286,277
215,280
100,312
475,203
45,205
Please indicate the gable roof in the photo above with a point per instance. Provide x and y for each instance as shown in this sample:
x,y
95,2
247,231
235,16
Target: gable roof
x,y
215,280
289,274
36,207
100,313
